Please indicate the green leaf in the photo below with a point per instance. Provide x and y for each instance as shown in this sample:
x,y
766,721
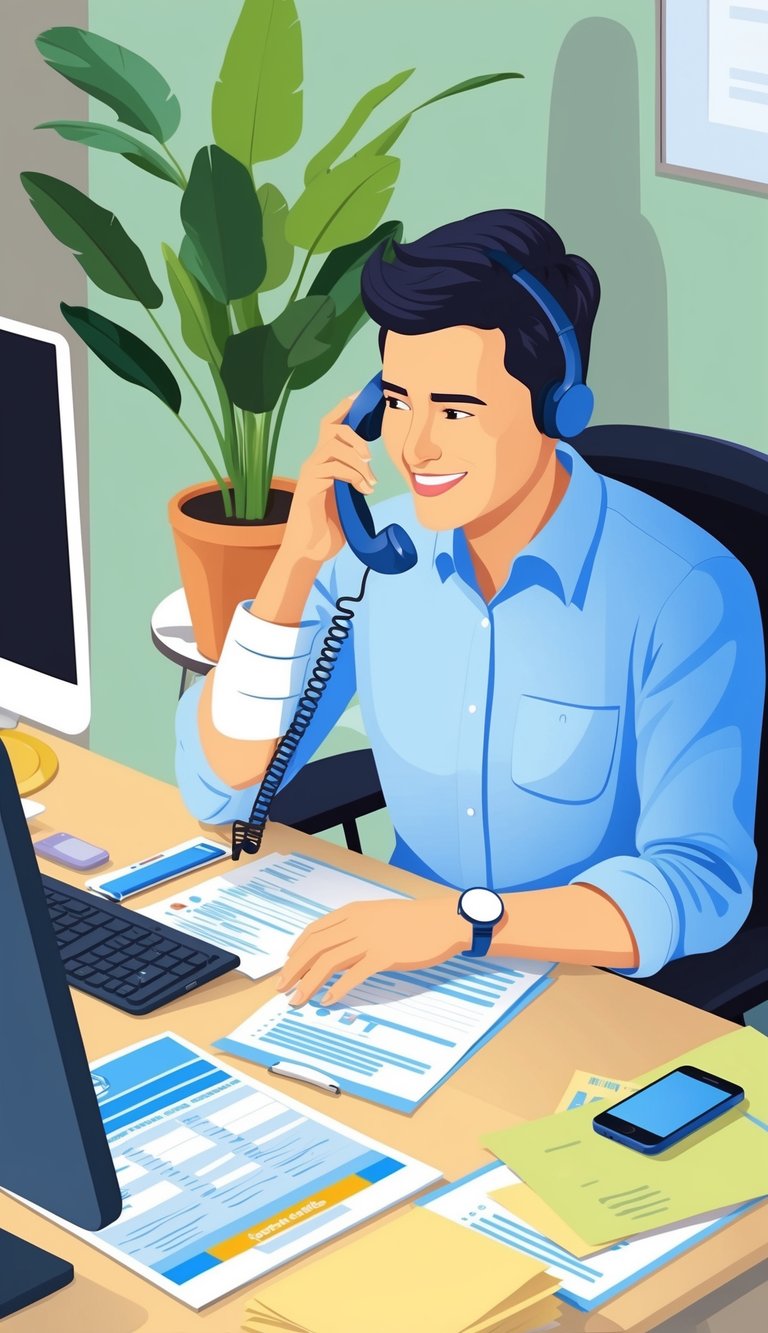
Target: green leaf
x,y
340,205
124,353
254,369
112,140
343,204
124,81
479,81
385,140
258,362
204,323
299,326
101,245
274,211
222,218
339,277
257,102
355,120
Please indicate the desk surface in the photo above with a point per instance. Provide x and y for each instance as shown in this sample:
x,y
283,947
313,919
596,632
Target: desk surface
x,y
588,1019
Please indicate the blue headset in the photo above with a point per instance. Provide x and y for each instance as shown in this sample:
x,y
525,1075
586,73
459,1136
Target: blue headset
x,y
563,408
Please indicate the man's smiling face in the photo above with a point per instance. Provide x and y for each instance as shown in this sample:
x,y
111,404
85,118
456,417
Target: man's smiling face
x,y
457,425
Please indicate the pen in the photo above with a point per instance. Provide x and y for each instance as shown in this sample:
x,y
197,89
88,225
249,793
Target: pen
x,y
305,1075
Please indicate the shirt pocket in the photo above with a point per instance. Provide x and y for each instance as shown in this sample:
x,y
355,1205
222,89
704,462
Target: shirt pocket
x,y
563,751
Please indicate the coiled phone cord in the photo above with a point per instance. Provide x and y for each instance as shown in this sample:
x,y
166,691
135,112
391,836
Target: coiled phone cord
x,y
247,834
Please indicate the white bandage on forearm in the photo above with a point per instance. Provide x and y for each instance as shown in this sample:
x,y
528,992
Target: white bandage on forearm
x,y
259,676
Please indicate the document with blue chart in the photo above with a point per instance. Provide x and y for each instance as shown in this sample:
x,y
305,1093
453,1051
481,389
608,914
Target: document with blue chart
x,y
224,1179
586,1282
397,1036
258,909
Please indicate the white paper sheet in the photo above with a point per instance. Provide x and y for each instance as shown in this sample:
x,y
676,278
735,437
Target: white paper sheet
x,y
397,1036
257,910
225,1179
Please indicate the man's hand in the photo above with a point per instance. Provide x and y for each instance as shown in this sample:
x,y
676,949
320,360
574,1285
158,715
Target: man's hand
x,y
372,937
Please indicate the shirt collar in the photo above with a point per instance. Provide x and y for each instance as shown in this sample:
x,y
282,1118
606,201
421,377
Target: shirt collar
x,y
560,556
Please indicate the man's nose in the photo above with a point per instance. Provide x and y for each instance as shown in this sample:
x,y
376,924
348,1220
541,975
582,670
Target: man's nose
x,y
418,448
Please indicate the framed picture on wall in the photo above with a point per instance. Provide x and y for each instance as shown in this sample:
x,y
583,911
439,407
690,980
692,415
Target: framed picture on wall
x,y
713,92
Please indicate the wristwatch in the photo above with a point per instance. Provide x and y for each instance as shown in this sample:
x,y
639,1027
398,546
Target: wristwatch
x,y
484,909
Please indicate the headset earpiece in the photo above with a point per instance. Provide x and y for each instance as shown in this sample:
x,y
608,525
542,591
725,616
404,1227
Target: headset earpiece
x,y
563,408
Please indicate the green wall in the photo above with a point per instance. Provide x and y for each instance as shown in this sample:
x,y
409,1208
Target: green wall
x,y
680,338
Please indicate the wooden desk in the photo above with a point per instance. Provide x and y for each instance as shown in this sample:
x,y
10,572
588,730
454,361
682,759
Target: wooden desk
x,y
588,1019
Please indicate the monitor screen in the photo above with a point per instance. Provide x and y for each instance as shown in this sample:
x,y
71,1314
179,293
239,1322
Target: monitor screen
x,y
36,618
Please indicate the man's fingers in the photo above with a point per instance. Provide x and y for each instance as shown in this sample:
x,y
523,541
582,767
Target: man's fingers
x,y
321,971
339,412
296,965
357,974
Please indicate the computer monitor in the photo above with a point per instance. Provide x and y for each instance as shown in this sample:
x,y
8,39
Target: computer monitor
x,y
53,1146
44,674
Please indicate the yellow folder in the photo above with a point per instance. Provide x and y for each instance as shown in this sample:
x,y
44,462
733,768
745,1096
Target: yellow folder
x,y
415,1273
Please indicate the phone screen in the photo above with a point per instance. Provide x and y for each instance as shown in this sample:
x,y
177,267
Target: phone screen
x,y
669,1104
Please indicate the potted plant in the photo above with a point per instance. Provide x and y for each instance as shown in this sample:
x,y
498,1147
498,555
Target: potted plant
x,y
240,239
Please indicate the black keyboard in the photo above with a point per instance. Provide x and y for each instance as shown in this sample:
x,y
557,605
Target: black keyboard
x,y
131,962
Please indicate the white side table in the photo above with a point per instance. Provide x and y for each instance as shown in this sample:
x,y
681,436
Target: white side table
x,y
173,636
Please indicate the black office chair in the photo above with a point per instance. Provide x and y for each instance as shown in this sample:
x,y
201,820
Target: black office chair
x,y
724,488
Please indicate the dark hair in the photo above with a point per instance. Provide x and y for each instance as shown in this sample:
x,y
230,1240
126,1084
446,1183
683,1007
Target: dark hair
x,y
444,279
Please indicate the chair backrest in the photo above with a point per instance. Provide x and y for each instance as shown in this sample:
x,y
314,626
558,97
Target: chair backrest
x,y
724,488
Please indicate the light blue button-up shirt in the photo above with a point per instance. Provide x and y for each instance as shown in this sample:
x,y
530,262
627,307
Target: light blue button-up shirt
x,y
598,721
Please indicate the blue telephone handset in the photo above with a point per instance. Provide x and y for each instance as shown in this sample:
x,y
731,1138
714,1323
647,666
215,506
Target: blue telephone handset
x,y
390,551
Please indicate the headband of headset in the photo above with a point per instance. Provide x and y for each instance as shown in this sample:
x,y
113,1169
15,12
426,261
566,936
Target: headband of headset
x,y
563,409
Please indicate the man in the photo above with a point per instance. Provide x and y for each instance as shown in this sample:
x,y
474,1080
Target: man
x,y
564,694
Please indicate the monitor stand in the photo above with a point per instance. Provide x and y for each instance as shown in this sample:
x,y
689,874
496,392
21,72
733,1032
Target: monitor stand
x,y
28,1273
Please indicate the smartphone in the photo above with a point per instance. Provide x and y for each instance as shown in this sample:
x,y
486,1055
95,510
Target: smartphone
x,y
175,861
668,1109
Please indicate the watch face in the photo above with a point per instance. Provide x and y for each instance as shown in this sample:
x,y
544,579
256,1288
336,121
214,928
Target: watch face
x,y
482,906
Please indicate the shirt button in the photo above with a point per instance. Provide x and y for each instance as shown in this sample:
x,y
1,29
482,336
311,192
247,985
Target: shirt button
x,y
470,810
472,708
485,622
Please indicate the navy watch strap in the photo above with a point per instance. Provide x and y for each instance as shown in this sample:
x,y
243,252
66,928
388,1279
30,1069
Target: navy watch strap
x,y
481,941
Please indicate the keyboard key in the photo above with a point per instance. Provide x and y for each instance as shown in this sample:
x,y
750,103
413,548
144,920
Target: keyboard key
x,y
148,974
183,969
84,944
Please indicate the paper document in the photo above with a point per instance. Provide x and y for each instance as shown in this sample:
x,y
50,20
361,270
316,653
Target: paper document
x,y
414,1274
257,910
738,64
606,1191
223,1179
397,1036
585,1283
585,1087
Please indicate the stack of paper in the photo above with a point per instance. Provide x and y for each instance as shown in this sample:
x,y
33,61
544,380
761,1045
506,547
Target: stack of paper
x,y
416,1273
606,1192
494,1202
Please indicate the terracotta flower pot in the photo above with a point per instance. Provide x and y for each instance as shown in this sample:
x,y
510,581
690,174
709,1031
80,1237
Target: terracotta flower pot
x,y
223,561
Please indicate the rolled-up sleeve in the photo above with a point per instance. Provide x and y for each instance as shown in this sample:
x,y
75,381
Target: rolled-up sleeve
x,y
204,793
699,682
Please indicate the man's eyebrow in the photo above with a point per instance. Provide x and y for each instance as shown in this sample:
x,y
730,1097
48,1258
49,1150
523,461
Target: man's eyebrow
x,y
437,397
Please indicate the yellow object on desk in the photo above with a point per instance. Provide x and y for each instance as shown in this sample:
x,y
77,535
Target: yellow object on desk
x,y
607,1192
584,1087
417,1272
521,1201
